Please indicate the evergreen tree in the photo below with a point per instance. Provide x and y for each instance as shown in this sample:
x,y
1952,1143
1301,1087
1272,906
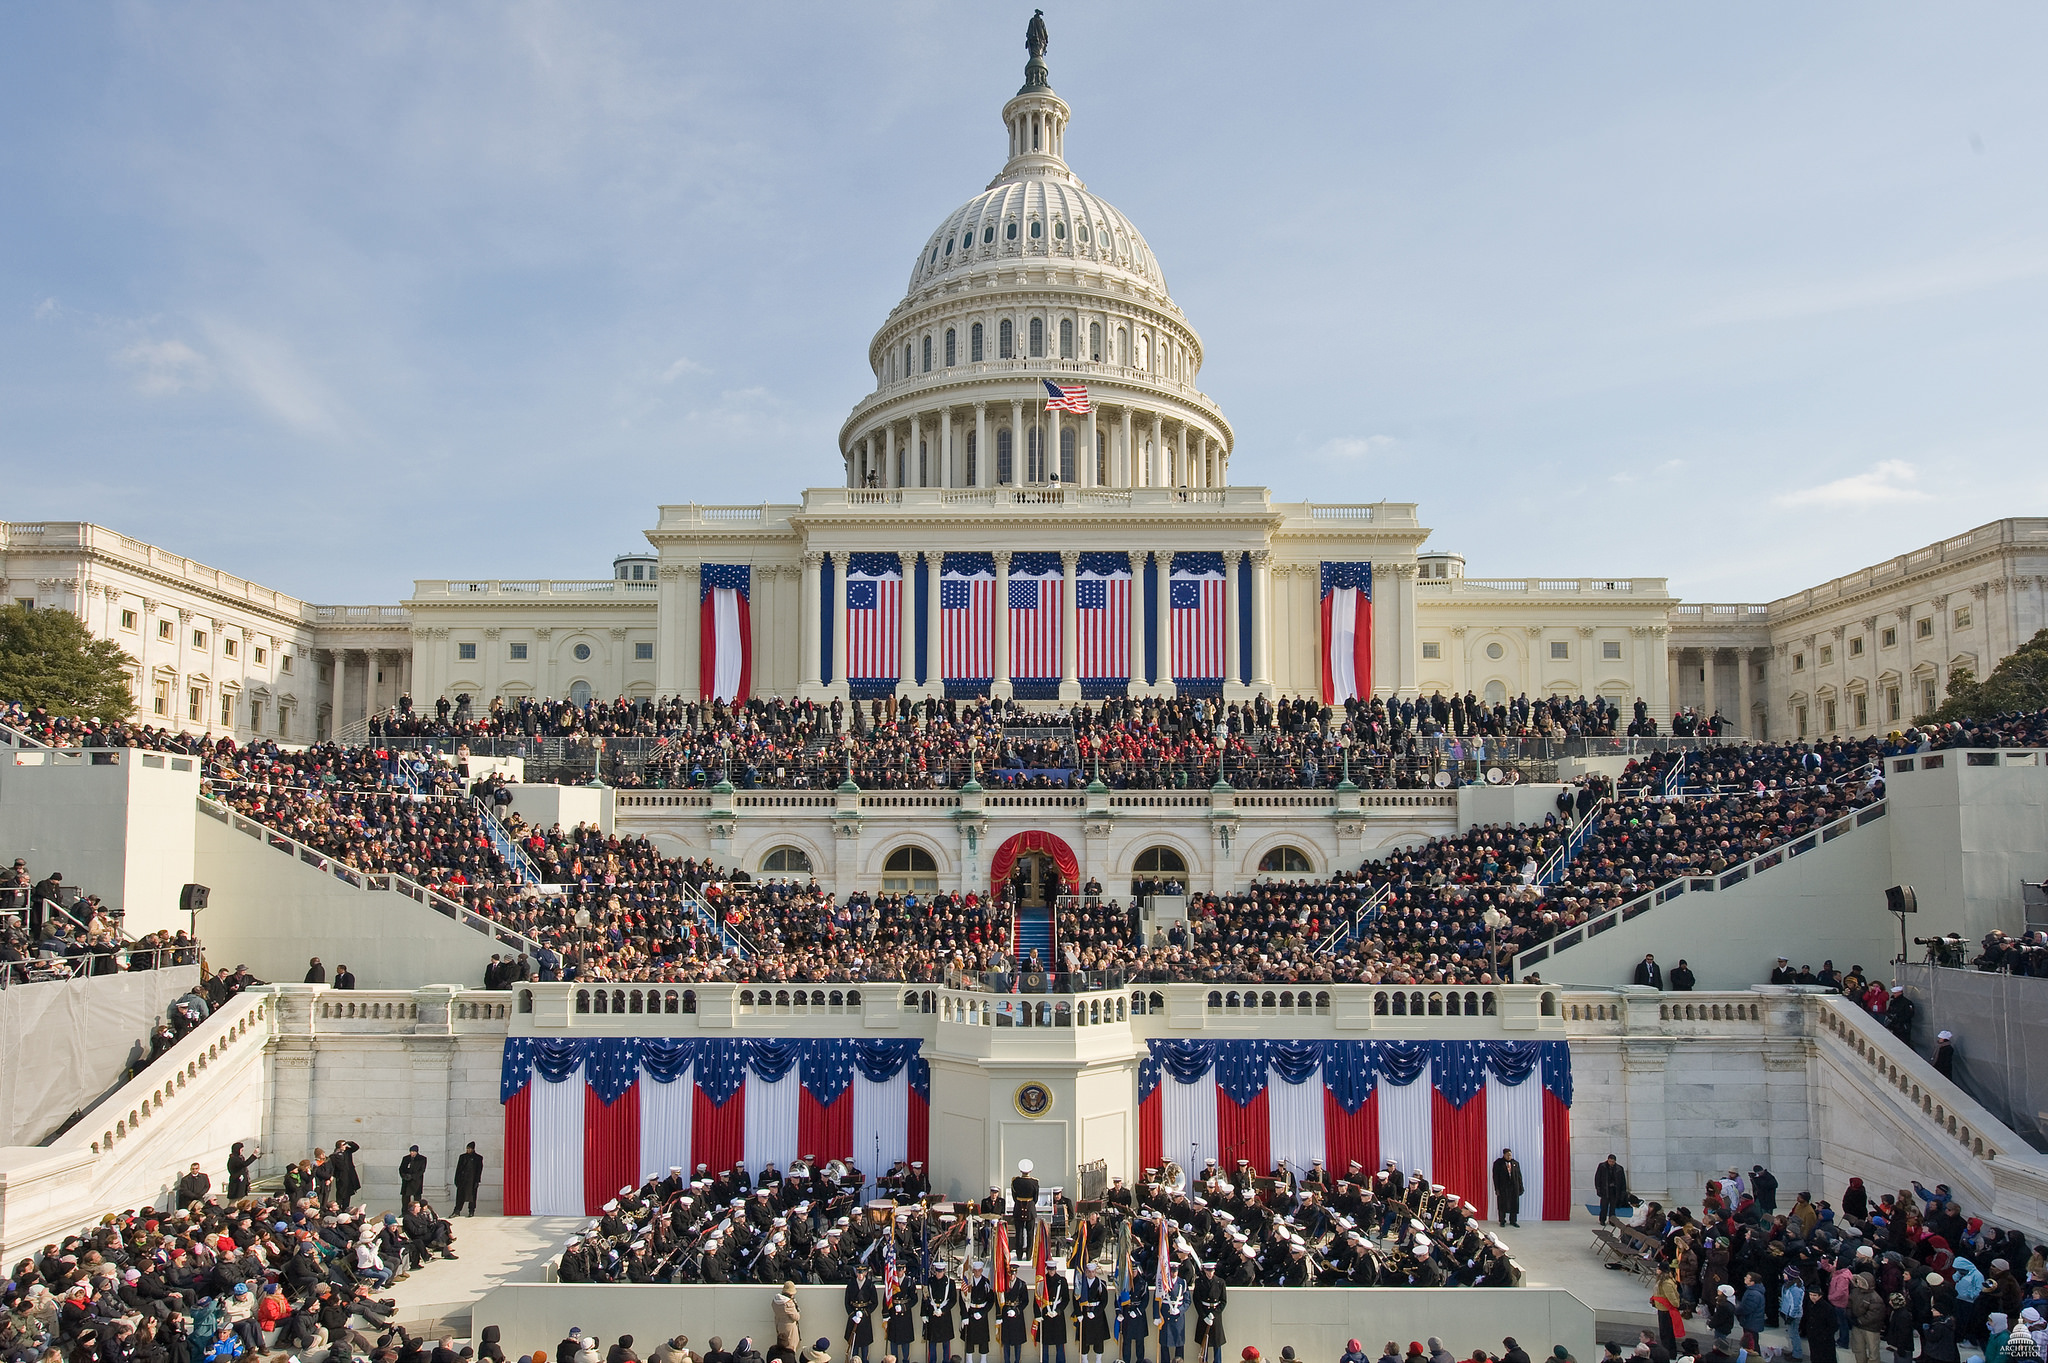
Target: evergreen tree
x,y
2020,683
48,661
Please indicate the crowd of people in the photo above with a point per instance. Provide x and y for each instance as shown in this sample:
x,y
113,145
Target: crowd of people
x,y
220,1275
1910,1273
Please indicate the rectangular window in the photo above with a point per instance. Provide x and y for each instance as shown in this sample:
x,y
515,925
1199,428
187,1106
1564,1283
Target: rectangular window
x,y
1927,698
1800,715
1889,639
1856,647
1962,617
1923,628
519,653
27,603
256,716
160,700
971,452
1799,662
1862,711
1827,654
1560,649
227,710
952,348
1037,338
1006,340
1891,703
166,630
927,354
1760,667
1066,338
1828,710
974,343
284,662
127,619
466,652
227,648
1095,342
261,654
1432,650
194,700
643,653
199,639
1610,650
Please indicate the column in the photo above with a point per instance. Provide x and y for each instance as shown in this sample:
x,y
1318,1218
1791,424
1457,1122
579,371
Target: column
x,y
1163,636
1159,470
906,620
984,457
945,443
1070,649
810,669
1137,683
1262,621
1665,712
336,659
1052,448
1087,469
840,558
999,620
1017,453
1181,457
1233,643
689,625
889,478
934,634
1661,707
1745,669
1707,660
1127,476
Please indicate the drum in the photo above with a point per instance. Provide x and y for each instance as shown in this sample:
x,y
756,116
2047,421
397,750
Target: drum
x,y
882,1211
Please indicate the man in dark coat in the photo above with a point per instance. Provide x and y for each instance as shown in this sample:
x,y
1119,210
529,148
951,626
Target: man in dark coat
x,y
939,1300
412,1176
1016,1327
239,1165
1507,1188
1210,1297
342,1167
1945,1054
1610,1183
316,973
1055,1300
1649,972
469,1175
1091,1311
194,1187
1764,1184
861,1303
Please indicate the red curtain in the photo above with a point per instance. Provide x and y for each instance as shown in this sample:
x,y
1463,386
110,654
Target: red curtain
x,y
718,1135
1242,1133
918,1148
1349,1136
1033,840
1149,1138
519,1153
824,1132
1557,1158
1457,1148
611,1146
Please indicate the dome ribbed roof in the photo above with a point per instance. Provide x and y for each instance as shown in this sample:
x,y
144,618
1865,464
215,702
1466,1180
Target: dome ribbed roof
x,y
1076,227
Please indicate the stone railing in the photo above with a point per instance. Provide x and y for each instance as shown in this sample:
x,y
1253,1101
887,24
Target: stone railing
x,y
439,589
1542,586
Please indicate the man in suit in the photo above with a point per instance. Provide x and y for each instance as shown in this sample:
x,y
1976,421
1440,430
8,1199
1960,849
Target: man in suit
x,y
412,1176
1507,1188
1648,972
469,1175
1610,1182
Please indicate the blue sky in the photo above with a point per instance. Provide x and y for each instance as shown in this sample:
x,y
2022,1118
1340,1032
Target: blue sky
x,y
336,296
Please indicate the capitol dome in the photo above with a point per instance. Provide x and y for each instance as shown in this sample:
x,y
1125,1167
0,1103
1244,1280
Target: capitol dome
x,y
1035,281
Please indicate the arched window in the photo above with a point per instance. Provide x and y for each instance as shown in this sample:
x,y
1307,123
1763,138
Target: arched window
x,y
1059,229
910,870
1067,454
1287,861
927,354
1066,338
1004,466
1036,229
787,861
1006,340
1081,229
1160,861
974,343
1144,352
949,246
579,694
1010,232
1496,693
907,371
1037,337
951,357
1095,341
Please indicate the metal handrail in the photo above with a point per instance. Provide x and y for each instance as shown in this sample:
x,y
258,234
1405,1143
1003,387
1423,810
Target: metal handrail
x,y
1368,914
507,846
12,737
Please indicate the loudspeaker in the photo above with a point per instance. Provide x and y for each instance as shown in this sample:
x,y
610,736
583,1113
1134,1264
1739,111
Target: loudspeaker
x,y
1901,899
192,898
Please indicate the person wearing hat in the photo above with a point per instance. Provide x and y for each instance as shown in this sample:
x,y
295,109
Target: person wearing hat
x,y
862,1301
412,1176
1015,1307
1209,1298
899,1319
469,1176
1092,1307
1055,1302
1172,1296
821,1352
788,1320
1024,1200
1898,1015
941,1295
1945,1054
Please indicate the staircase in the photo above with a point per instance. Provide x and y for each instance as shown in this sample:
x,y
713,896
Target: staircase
x,y
1034,933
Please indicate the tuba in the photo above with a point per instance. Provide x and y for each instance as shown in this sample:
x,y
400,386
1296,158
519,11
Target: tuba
x,y
1173,1176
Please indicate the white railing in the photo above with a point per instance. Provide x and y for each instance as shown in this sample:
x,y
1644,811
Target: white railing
x,y
1545,586
363,880
1722,880
11,737
596,586
390,615
126,1111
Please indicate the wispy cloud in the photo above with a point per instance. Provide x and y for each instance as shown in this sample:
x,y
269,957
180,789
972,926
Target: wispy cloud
x,y
166,367
265,368
1355,446
1889,481
1921,281
683,365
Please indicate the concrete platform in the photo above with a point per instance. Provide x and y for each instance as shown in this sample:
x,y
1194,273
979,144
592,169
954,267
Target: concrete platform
x,y
491,1250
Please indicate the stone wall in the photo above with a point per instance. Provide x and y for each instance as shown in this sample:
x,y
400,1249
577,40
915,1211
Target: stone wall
x,y
87,1032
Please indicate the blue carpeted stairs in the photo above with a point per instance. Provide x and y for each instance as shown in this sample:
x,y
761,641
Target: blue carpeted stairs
x,y
1034,933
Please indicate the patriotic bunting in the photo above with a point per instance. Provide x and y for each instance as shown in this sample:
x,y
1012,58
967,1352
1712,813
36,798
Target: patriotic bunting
x,y
874,617
1347,632
726,629
1102,621
967,588
1036,581
1196,595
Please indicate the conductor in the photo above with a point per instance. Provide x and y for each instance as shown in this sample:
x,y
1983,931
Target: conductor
x,y
1024,1199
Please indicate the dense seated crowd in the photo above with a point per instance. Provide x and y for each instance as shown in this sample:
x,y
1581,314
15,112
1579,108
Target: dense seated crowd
x,y
1901,1271
218,1277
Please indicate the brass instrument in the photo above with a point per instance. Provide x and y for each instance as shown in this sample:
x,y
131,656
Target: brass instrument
x,y
1173,1177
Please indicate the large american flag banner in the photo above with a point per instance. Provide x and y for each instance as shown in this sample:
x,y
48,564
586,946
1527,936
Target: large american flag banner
x,y
725,662
967,594
1066,397
1196,597
1347,632
1034,617
1102,617
874,606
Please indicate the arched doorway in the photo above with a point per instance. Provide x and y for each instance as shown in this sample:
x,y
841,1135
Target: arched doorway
x,y
1038,863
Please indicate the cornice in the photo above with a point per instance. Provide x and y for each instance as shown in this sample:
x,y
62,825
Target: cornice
x,y
97,558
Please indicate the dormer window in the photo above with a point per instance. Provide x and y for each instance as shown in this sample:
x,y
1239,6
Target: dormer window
x,y
1010,232
1059,229
1035,229
988,234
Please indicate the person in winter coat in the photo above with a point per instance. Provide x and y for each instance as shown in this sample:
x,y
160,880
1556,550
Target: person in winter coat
x,y
788,1322
1210,1297
1898,1327
488,1349
1092,1307
1995,1336
1055,1300
1817,1326
1867,1316
1721,1318
1938,1342
1016,1323
1173,1319
1792,1309
861,1303
1750,1311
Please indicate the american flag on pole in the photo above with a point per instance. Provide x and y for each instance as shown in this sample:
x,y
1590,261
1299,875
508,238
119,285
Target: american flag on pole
x,y
725,663
1034,616
1196,597
1347,632
967,593
874,603
1066,397
892,1272
1102,617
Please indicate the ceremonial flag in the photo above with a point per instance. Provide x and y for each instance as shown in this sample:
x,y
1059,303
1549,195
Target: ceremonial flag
x,y
874,604
892,1275
1196,594
1102,617
726,665
1036,580
999,1250
1066,397
967,588
1347,632
1164,1268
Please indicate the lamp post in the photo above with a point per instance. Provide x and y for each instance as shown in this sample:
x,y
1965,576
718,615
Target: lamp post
x,y
1494,920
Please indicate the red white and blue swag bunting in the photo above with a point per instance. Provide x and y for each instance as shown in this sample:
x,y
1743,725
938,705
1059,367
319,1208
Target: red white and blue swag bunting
x,y
967,591
1347,632
1195,594
726,661
1036,580
874,618
586,1117
1102,620
1443,1109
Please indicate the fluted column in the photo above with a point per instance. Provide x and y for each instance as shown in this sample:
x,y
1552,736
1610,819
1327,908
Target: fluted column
x,y
1262,621
1137,682
1745,695
1708,656
1233,638
945,443
999,618
1159,472
1181,457
934,636
840,558
1127,476
984,457
1070,649
1087,469
888,478
1165,686
1019,456
906,621
686,620
813,598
